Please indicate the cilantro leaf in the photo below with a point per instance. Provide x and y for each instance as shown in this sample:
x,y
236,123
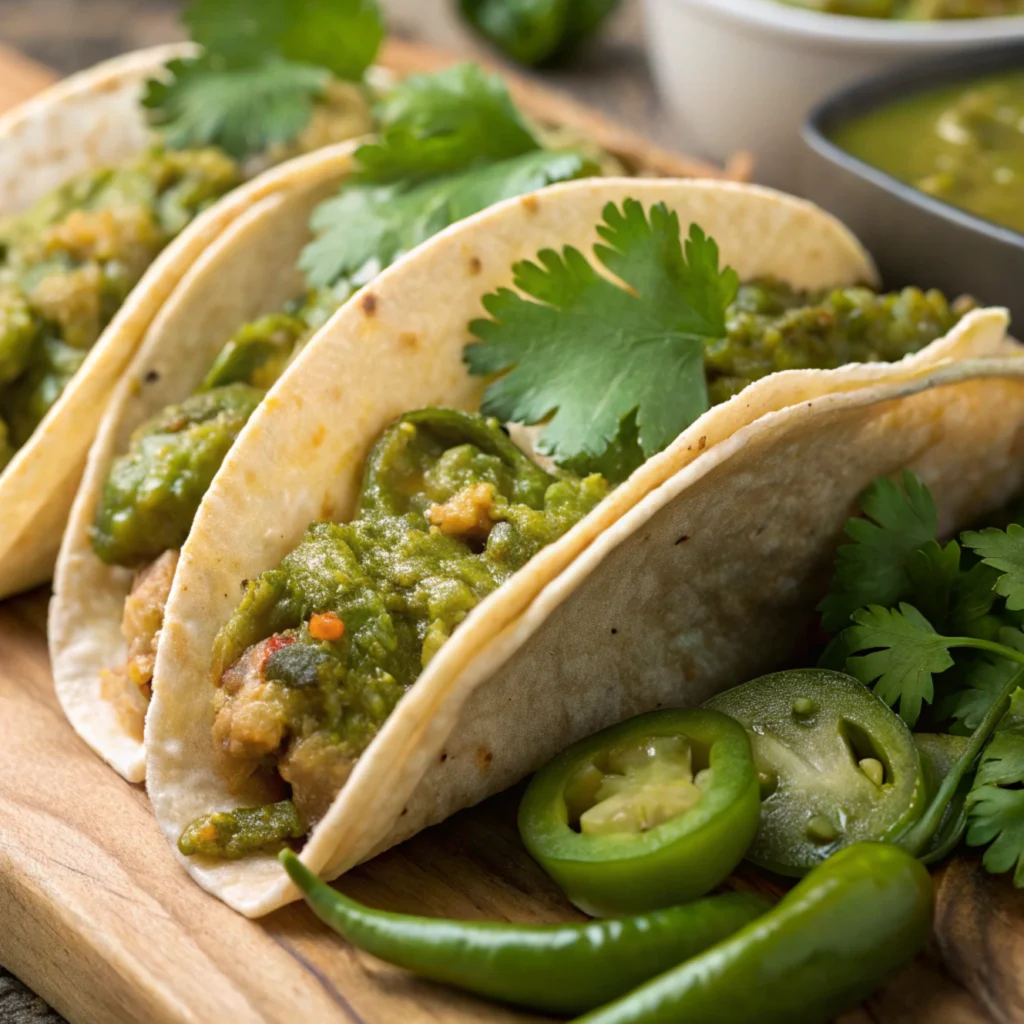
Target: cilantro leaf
x,y
243,110
933,571
996,820
976,681
996,813
444,122
373,224
906,653
873,569
589,354
1003,550
973,595
342,36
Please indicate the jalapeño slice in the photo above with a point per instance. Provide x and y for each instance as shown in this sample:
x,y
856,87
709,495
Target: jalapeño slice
x,y
835,765
647,814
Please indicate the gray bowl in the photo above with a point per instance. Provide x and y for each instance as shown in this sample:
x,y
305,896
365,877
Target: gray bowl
x,y
914,238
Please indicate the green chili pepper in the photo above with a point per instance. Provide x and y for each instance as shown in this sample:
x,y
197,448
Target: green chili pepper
x,y
839,933
557,968
836,766
649,813
447,428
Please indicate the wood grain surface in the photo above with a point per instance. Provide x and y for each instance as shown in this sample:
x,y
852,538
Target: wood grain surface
x,y
96,916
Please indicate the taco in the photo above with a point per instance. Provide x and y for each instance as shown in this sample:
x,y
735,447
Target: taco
x,y
231,327
461,608
108,185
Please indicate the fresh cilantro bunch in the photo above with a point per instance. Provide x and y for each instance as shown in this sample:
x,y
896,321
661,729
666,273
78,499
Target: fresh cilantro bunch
x,y
262,68
450,144
614,369
921,620
536,31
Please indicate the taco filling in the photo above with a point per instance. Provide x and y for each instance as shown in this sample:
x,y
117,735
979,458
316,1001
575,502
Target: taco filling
x,y
322,648
68,263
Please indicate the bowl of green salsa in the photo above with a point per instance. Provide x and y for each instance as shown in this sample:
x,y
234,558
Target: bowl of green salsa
x,y
926,165
744,74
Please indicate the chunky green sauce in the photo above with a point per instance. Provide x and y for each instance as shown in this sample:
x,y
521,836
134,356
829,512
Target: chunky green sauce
x,y
772,327
449,510
915,10
68,263
963,144
153,490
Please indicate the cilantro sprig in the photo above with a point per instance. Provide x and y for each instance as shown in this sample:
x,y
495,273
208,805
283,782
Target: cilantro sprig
x,y
369,226
942,619
261,70
450,144
443,123
603,363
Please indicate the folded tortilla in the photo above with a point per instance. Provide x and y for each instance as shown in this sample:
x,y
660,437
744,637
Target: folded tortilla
x,y
249,270
700,570
90,120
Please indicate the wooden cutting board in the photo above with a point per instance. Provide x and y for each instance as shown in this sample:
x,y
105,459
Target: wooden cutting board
x,y
96,916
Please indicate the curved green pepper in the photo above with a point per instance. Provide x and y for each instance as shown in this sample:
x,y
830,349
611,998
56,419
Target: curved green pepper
x,y
652,812
383,476
830,942
836,766
554,968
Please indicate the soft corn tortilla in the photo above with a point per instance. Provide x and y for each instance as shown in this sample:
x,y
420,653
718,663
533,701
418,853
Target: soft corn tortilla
x,y
248,271
90,120
697,571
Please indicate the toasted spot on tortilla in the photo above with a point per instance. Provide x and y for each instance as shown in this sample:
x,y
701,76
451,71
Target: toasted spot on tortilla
x,y
151,376
408,339
530,203
702,443
683,538
369,303
475,266
444,756
484,757
318,436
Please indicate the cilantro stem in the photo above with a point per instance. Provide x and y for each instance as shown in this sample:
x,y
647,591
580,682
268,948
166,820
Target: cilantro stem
x,y
987,645
916,839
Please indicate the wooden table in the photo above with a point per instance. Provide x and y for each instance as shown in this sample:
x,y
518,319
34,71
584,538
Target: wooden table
x,y
149,928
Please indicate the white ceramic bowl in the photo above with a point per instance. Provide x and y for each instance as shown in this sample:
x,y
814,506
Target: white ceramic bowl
x,y
743,74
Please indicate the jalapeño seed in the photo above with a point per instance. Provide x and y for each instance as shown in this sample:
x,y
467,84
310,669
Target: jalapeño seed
x,y
872,768
804,706
768,782
821,830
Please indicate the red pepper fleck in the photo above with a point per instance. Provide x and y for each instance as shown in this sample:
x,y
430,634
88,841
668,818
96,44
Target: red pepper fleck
x,y
326,626
275,643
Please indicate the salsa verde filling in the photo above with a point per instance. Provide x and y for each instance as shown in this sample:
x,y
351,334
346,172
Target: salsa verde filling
x,y
322,648
268,83
68,263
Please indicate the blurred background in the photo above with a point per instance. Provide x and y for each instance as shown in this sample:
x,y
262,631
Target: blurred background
x,y
610,72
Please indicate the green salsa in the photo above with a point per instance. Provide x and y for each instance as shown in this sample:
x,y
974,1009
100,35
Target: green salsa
x,y
327,643
772,327
914,10
963,144
68,263
153,490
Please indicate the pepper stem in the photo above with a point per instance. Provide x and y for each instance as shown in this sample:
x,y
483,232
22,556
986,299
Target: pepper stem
x,y
916,839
